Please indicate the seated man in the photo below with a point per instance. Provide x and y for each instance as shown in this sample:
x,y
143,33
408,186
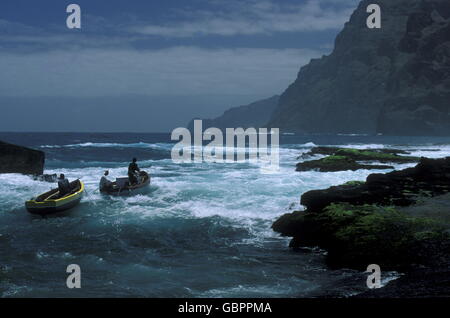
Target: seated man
x,y
132,169
105,183
63,185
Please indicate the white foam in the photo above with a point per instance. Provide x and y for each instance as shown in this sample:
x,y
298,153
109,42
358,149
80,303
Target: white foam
x,y
309,144
251,291
112,145
364,146
238,192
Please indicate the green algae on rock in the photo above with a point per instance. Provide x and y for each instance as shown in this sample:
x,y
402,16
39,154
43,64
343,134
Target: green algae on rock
x,y
429,178
343,159
372,155
381,221
356,236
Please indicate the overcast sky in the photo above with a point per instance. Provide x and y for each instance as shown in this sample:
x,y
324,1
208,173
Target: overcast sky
x,y
228,52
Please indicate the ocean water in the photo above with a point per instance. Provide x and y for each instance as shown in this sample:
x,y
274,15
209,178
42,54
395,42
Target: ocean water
x,y
202,230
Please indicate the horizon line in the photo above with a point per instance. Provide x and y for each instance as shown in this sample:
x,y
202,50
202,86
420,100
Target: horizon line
x,y
83,132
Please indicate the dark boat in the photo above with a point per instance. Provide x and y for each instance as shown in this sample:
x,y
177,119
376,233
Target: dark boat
x,y
122,186
50,202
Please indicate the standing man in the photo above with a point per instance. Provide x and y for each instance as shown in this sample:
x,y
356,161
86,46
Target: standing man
x,y
132,169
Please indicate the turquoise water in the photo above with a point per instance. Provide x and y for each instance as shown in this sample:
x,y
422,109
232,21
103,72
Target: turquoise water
x,y
202,230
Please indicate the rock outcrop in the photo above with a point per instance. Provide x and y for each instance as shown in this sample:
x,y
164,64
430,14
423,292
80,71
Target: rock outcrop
x,y
382,221
430,177
394,80
254,115
423,281
18,159
328,151
342,159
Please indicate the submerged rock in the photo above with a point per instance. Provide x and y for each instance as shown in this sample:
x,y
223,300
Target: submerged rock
x,y
46,177
336,163
18,159
328,151
380,155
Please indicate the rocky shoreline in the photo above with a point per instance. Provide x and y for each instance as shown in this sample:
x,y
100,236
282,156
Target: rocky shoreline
x,y
18,159
399,220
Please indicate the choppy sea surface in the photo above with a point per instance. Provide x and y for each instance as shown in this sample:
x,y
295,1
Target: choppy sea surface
x,y
202,229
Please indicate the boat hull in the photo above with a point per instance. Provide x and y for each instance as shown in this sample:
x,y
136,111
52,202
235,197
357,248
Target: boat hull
x,y
133,190
52,206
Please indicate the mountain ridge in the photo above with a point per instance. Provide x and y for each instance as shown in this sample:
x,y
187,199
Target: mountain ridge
x,y
394,80
255,115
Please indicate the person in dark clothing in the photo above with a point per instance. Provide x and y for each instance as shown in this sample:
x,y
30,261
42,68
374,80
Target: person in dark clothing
x,y
63,185
132,169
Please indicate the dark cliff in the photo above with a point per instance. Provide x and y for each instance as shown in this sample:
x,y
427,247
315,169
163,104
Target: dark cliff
x,y
394,80
17,159
255,115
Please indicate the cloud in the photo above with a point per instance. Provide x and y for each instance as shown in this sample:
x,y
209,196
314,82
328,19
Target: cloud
x,y
11,28
97,33
170,71
184,24
252,17
108,59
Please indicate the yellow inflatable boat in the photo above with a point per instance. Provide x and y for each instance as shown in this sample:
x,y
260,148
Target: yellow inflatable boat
x,y
50,202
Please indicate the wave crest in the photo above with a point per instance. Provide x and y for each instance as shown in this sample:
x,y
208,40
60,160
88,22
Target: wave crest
x,y
111,145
